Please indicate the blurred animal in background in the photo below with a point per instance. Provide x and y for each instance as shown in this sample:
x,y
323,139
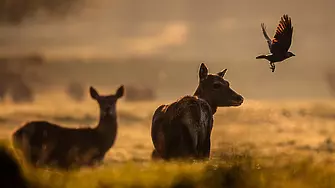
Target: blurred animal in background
x,y
20,92
183,128
76,91
280,43
139,93
47,144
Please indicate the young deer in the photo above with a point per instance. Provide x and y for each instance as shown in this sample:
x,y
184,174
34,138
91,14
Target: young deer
x,y
43,143
183,128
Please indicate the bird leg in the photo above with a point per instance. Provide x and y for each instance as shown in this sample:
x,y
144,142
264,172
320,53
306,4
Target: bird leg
x,y
272,66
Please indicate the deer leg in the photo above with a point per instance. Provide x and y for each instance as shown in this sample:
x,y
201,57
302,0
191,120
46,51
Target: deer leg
x,y
155,155
206,148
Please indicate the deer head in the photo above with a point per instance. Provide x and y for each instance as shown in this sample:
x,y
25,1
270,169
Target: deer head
x,y
107,103
216,90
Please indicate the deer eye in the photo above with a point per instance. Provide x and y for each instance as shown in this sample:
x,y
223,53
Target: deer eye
x,y
217,85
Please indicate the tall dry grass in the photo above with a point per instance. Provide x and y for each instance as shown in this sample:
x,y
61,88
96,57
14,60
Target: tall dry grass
x,y
260,144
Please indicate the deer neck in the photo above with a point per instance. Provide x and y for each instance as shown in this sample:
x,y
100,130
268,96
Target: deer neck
x,y
200,94
107,127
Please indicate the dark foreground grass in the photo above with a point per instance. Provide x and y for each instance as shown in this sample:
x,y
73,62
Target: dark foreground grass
x,y
233,172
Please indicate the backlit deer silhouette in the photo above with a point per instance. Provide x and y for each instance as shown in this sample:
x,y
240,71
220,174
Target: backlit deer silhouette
x,y
47,144
183,128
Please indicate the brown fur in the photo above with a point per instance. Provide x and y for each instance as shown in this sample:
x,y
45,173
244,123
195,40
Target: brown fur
x,y
44,143
183,128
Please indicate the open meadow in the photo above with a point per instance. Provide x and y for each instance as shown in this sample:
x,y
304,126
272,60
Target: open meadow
x,y
260,144
282,136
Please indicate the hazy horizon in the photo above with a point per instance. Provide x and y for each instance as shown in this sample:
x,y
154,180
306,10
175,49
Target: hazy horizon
x,y
223,34
176,29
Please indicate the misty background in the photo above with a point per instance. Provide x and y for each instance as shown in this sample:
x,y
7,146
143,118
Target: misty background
x,y
160,44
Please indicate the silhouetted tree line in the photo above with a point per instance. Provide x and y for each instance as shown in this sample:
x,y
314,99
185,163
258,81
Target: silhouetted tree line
x,y
139,93
15,11
14,76
76,91
330,80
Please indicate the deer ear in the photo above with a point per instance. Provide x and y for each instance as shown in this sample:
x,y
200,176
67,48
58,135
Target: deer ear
x,y
120,91
94,93
222,73
203,72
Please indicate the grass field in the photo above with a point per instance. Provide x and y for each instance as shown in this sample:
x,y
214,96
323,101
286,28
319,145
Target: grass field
x,y
260,144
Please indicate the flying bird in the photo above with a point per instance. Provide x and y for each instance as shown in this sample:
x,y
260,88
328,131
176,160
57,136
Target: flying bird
x,y
280,43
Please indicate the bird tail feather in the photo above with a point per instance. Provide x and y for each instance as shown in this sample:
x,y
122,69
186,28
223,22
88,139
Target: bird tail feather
x,y
261,57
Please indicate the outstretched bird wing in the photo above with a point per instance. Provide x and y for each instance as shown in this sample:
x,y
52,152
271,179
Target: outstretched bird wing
x,y
267,38
283,37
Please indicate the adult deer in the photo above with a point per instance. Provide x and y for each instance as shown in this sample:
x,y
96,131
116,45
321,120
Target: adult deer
x,y
46,144
183,128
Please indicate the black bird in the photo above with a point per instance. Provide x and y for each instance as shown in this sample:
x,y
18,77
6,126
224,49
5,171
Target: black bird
x,y
280,43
